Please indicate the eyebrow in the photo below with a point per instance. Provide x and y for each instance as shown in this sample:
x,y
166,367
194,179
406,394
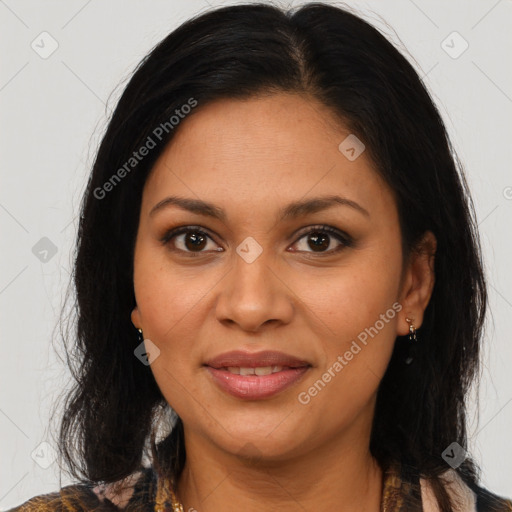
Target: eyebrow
x,y
292,210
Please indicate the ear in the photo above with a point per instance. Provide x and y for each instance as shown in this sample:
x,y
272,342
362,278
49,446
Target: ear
x,y
418,284
135,316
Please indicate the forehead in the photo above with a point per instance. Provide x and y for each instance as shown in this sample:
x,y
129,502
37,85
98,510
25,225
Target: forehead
x,y
283,145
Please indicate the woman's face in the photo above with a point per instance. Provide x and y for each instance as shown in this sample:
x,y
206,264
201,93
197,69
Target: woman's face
x,y
254,280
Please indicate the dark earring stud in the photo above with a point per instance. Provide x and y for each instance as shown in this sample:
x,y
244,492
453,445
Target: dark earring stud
x,y
413,340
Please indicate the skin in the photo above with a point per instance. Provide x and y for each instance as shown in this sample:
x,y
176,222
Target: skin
x,y
252,158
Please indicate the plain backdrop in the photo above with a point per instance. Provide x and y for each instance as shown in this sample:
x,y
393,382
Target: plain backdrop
x,y
54,106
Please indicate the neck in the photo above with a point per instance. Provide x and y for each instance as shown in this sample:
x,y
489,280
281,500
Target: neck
x,y
332,476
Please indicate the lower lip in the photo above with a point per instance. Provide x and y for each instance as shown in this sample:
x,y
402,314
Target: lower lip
x,y
254,387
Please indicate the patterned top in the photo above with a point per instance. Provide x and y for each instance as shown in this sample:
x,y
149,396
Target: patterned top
x,y
145,492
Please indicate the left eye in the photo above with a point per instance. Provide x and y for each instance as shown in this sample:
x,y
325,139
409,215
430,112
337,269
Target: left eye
x,y
320,237
195,239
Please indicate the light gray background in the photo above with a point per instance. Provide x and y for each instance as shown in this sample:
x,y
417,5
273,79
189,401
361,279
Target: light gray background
x,y
53,115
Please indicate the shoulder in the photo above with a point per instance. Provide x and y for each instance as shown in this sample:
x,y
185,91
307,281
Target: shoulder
x,y
487,501
134,493
468,497
72,498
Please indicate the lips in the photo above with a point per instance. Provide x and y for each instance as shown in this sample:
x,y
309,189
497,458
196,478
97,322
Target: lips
x,y
241,359
256,376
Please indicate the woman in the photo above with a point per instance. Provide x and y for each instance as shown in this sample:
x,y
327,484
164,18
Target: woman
x,y
279,282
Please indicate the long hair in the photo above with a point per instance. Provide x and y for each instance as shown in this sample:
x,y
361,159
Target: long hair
x,y
331,55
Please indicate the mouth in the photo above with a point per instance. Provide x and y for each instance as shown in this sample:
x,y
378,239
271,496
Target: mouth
x,y
257,360
256,376
258,370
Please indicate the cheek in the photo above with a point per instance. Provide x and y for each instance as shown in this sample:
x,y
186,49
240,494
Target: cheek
x,y
358,315
355,311
167,295
352,296
169,300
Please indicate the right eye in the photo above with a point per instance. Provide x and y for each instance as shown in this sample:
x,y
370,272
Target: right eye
x,y
189,240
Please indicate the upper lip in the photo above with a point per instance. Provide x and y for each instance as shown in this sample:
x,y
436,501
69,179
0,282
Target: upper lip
x,y
239,358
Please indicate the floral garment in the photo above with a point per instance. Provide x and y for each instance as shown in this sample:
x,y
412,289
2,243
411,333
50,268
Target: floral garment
x,y
144,492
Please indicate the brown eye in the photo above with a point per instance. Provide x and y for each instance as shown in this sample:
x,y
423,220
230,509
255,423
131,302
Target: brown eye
x,y
320,238
194,241
187,240
318,241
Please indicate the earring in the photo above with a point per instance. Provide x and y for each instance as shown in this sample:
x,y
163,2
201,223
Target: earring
x,y
413,340
140,335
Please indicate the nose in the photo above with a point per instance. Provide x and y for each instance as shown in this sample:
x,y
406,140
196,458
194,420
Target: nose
x,y
253,296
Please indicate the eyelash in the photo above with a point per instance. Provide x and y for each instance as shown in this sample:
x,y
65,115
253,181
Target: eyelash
x,y
346,240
